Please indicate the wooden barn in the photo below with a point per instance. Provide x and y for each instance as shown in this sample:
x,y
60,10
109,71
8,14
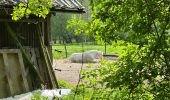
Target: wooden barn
x,y
25,50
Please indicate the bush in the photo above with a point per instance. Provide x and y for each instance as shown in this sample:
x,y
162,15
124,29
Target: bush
x,y
64,84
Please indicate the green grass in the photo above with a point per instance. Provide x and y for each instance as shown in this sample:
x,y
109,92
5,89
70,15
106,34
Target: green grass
x,y
64,84
110,49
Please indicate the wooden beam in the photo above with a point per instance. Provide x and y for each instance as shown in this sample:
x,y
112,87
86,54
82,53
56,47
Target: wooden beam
x,y
35,21
24,75
8,74
47,59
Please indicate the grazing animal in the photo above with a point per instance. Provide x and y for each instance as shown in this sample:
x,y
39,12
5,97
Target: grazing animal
x,y
95,53
88,56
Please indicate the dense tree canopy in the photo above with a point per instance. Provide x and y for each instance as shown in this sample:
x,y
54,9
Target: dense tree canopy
x,y
143,70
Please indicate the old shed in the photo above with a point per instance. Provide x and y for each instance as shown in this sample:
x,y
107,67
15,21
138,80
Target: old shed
x,y
25,50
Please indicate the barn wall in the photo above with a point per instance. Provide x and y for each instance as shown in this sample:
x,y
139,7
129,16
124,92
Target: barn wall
x,y
13,79
26,33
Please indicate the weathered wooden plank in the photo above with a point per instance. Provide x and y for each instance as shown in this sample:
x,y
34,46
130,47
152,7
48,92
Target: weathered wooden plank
x,y
24,76
4,86
48,67
51,67
46,58
40,63
7,69
9,50
24,20
2,68
27,51
16,74
33,57
27,70
43,69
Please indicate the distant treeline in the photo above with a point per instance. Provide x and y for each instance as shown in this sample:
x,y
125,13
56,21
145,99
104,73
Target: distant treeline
x,y
61,34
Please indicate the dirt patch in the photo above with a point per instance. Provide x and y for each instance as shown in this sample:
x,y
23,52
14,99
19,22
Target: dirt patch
x,y
65,70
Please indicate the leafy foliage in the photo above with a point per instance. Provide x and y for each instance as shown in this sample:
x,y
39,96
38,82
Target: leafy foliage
x,y
143,70
64,84
38,96
77,25
39,8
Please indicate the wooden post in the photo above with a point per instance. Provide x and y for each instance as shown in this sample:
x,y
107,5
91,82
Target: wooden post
x,y
65,48
105,46
47,59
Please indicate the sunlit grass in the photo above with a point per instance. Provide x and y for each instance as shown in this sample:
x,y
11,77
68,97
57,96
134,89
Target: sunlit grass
x,y
110,49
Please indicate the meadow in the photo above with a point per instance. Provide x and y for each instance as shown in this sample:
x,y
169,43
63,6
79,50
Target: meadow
x,y
77,48
59,53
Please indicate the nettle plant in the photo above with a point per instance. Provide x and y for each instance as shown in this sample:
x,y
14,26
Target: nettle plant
x,y
143,70
39,8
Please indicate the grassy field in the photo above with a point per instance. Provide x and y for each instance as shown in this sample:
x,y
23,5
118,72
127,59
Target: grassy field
x,y
110,49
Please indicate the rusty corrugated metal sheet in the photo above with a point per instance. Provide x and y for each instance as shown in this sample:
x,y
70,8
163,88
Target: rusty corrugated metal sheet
x,y
57,4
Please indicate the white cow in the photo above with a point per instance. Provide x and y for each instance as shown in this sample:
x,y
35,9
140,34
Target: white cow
x,y
95,53
88,56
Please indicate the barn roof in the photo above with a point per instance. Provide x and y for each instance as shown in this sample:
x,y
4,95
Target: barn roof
x,y
58,5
